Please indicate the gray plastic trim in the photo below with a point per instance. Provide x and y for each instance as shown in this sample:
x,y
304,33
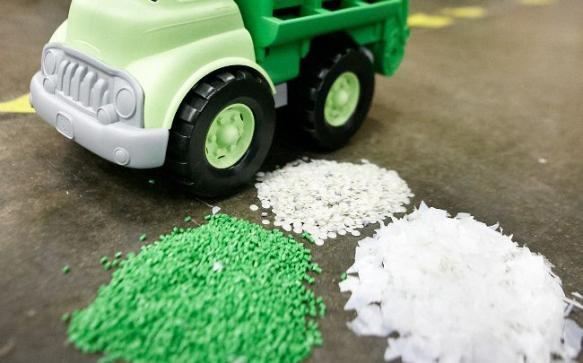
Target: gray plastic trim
x,y
281,95
119,142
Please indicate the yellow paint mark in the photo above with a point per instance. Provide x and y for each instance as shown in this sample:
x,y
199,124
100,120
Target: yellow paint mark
x,y
421,20
468,12
18,105
537,2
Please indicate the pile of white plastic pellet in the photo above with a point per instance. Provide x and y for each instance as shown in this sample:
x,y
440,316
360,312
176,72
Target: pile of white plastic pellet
x,y
328,198
456,290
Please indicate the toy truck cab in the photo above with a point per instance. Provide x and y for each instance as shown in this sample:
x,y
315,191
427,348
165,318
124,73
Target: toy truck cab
x,y
191,84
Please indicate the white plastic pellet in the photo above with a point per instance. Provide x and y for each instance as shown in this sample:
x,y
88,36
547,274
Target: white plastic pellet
x,y
329,198
254,208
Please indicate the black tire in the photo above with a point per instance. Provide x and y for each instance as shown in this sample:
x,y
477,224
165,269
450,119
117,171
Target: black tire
x,y
308,93
186,157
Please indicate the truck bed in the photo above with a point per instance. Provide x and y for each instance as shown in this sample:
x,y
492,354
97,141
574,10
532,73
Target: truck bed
x,y
283,26
282,29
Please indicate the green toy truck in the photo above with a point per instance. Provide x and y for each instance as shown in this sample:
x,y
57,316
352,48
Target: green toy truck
x,y
193,85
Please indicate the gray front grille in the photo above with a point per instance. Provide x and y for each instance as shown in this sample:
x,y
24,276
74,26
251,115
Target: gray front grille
x,y
108,94
83,84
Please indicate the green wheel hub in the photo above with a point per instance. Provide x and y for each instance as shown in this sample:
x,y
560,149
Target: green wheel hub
x,y
229,136
342,99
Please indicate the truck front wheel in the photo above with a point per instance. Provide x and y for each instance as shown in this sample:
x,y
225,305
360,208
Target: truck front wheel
x,y
333,95
222,133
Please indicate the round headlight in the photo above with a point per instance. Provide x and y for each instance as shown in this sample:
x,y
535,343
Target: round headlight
x,y
125,103
50,62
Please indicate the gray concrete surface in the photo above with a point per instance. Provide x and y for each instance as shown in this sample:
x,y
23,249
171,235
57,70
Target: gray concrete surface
x,y
465,121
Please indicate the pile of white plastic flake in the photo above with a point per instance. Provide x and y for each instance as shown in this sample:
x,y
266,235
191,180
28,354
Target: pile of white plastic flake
x,y
456,290
329,198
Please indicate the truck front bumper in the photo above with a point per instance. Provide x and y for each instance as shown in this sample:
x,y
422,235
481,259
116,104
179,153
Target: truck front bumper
x,y
121,143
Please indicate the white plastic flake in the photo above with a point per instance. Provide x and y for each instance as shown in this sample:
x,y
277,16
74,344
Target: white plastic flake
x,y
456,290
215,210
217,266
328,198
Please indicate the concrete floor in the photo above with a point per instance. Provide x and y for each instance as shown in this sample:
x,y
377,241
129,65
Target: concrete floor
x,y
465,121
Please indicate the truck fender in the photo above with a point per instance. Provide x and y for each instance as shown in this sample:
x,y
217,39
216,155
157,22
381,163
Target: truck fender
x,y
205,71
167,77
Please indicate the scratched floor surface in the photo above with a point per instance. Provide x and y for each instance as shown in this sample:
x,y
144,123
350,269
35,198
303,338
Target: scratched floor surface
x,y
484,116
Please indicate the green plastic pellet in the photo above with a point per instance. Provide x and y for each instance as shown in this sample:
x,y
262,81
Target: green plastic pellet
x,y
143,237
66,269
187,219
308,237
152,181
107,266
66,317
107,359
168,303
104,260
344,276
118,255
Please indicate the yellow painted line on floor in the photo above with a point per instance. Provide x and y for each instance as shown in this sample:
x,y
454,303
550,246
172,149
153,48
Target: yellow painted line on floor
x,y
422,20
18,105
537,2
466,12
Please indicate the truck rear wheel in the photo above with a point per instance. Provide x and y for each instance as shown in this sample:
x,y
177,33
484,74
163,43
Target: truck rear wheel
x,y
333,95
222,133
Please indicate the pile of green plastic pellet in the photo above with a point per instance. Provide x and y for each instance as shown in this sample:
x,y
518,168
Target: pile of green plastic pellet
x,y
228,291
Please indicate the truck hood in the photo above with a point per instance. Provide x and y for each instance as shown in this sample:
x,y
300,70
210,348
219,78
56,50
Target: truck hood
x,y
120,31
